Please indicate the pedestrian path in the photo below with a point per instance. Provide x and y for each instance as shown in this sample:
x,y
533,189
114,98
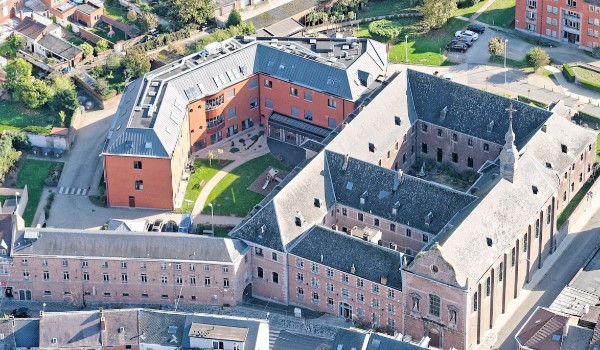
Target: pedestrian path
x,y
273,335
77,191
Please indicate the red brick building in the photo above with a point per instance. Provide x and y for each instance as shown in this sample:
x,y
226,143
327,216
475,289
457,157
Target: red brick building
x,y
573,21
300,88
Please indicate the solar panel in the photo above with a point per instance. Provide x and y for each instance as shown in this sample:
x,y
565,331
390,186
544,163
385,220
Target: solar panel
x,y
202,88
230,75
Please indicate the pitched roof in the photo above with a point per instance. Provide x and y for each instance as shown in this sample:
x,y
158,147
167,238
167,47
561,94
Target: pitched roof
x,y
161,328
60,47
251,326
541,329
7,342
70,329
471,111
27,332
121,327
30,28
341,251
578,338
140,245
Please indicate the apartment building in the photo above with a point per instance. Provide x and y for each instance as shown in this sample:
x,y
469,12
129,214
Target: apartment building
x,y
572,21
299,88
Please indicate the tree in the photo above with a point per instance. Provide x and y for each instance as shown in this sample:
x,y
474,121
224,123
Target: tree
x,y
135,64
234,18
537,58
352,15
88,50
34,95
102,87
113,60
131,16
101,46
147,21
15,43
65,95
384,29
186,12
496,46
437,12
18,74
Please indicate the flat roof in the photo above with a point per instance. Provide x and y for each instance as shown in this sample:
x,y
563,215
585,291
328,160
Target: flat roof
x,y
211,331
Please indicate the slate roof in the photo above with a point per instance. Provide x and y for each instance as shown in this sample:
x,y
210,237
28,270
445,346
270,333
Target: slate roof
x,y
27,332
71,329
30,28
340,251
169,89
229,321
60,47
158,328
470,110
6,231
537,332
87,8
115,319
382,342
140,245
346,339
578,338
6,329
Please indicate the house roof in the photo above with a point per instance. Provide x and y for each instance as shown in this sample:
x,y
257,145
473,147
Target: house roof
x,y
162,328
286,27
218,332
577,338
121,327
87,8
135,245
7,342
30,28
543,330
154,107
60,47
27,332
70,329
341,251
127,225
7,225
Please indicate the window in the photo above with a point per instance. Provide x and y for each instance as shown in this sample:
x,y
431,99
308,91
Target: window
x,y
124,278
537,228
488,286
470,162
253,83
391,294
66,276
549,215
425,238
258,251
308,96
314,282
360,297
145,295
300,292
215,102
452,313
500,272
144,278
225,282
295,111
475,302
179,280
376,222
225,269
164,279
375,288
253,103
123,264
163,266
470,142
329,287
230,93
294,92
107,294
345,293
329,272
360,217
47,275
268,103
572,3
360,283
47,292
192,280
314,268
345,211
207,281
275,277
434,305
308,115
300,277
439,132
454,157
424,128
408,233
424,148
268,84
486,147
299,263
142,265
25,275
218,345
137,164
392,227
375,302
231,112
274,256
525,243
139,185
331,103
391,308
344,277
65,263
454,137
513,257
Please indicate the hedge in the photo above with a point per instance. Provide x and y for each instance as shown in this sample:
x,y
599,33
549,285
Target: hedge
x,y
163,40
534,102
567,71
590,85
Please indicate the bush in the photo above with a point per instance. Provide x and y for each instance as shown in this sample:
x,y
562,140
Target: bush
x,y
234,150
590,85
596,52
385,30
537,58
568,73
20,142
496,46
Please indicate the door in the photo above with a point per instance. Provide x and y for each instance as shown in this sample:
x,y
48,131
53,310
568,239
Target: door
x,y
440,155
8,292
434,338
131,201
346,311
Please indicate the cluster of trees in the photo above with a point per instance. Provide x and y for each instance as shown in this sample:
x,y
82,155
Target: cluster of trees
x,y
11,145
244,28
183,13
58,93
315,17
385,30
89,50
12,45
133,64
145,22
436,13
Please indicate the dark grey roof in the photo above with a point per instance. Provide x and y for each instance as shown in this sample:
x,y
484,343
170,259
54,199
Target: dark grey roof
x,y
348,339
128,334
280,119
87,8
286,27
312,145
27,332
372,262
6,329
71,329
381,342
161,328
60,47
470,110
141,245
7,225
578,338
416,198
229,321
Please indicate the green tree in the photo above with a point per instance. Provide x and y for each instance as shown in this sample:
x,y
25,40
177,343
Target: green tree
x,y
147,21
15,43
496,46
113,60
34,95
102,87
352,15
65,95
18,74
186,12
437,12
101,46
234,18
135,64
537,58
385,30
131,16
88,50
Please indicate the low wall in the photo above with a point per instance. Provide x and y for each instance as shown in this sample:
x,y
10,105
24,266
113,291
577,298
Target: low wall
x,y
103,104
23,197
93,38
345,23
126,28
583,206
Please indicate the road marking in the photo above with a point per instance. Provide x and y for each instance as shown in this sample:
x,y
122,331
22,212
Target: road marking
x,y
77,191
273,335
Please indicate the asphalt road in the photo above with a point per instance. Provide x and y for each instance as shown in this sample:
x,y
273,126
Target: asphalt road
x,y
290,341
562,272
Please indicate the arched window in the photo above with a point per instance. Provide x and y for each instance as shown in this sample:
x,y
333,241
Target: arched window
x,y
434,305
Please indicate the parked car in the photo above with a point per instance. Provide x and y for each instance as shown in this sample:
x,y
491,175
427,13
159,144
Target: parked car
x,y
462,40
457,46
477,28
21,312
158,224
466,34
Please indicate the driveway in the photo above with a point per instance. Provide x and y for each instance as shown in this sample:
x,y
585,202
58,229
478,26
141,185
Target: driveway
x,y
478,54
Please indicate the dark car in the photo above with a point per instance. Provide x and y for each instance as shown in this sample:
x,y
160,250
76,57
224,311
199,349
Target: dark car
x,y
477,28
462,40
457,46
21,312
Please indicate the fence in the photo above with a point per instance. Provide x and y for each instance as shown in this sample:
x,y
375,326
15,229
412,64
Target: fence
x,y
23,195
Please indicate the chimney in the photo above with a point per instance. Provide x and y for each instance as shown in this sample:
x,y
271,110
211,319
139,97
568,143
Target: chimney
x,y
404,260
102,323
21,15
397,180
353,269
384,280
346,159
443,113
544,127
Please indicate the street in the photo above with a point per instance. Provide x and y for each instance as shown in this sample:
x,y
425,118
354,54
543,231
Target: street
x,y
582,246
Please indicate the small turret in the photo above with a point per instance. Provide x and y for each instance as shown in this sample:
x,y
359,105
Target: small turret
x,y
509,154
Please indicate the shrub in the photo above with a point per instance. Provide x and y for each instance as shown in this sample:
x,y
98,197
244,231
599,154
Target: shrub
x,y
496,46
590,85
386,30
596,52
234,18
537,58
568,73
234,150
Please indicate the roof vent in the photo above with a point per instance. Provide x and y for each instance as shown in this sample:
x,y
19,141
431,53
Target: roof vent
x,y
488,241
428,218
353,269
363,197
490,126
384,280
544,127
346,159
443,113
121,329
535,189
563,147
172,329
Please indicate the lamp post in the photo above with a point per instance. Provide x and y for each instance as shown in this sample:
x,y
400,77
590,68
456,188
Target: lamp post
x,y
212,218
505,44
406,46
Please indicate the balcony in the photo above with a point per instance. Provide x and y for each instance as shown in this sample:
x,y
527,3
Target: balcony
x,y
215,122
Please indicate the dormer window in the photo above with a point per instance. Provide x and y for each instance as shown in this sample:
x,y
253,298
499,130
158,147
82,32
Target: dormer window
x,y
298,220
428,218
371,147
397,120
490,126
563,147
535,189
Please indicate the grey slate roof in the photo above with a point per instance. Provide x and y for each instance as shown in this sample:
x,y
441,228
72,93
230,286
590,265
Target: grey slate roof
x,y
470,111
71,329
115,319
191,78
87,8
340,251
381,342
6,329
27,332
348,339
221,320
154,328
416,198
60,47
578,338
146,245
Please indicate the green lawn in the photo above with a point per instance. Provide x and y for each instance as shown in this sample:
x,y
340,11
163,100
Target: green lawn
x,y
116,12
202,172
15,116
102,30
509,62
500,13
231,195
220,231
470,11
33,173
586,74
385,7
